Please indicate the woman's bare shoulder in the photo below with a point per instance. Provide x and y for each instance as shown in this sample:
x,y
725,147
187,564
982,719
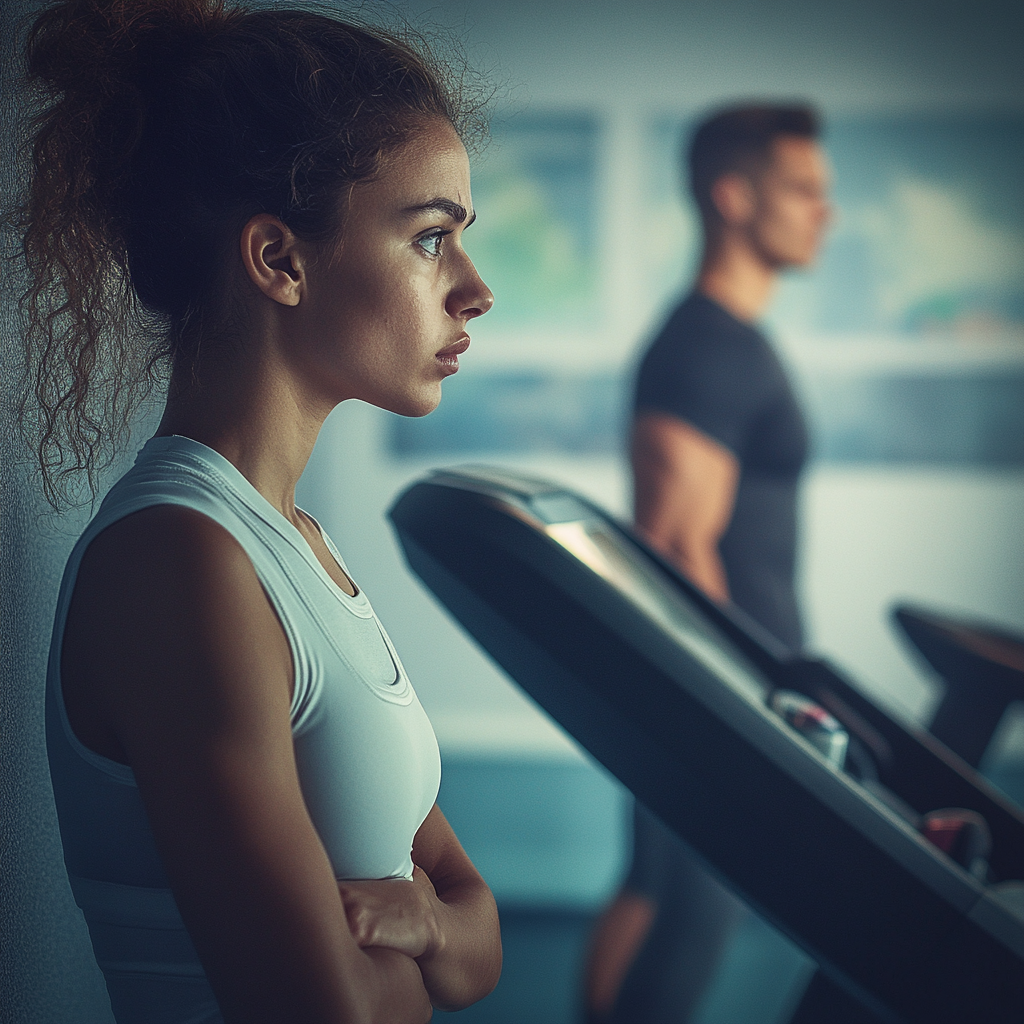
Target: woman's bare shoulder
x,y
167,560
168,619
161,533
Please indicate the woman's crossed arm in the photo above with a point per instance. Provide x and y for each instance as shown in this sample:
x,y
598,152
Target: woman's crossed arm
x,y
445,918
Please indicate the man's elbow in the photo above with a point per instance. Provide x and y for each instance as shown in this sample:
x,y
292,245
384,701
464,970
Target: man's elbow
x,y
701,564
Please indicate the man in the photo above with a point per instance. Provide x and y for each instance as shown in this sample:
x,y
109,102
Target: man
x,y
718,442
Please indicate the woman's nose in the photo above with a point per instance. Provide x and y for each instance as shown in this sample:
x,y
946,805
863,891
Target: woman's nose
x,y
471,298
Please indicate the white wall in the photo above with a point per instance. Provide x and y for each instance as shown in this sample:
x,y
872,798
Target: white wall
x,y
953,541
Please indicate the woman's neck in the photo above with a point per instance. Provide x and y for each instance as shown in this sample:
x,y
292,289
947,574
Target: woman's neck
x,y
252,416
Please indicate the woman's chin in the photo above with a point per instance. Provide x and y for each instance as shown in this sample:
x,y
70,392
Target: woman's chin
x,y
415,406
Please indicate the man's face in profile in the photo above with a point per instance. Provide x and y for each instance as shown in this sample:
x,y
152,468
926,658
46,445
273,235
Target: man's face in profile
x,y
791,203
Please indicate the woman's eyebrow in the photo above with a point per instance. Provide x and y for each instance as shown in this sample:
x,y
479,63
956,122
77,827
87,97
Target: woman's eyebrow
x,y
449,207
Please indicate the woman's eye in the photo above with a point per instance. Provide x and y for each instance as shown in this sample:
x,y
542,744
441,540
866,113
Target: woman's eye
x,y
431,244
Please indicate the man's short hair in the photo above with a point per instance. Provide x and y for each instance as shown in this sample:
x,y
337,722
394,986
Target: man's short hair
x,y
739,140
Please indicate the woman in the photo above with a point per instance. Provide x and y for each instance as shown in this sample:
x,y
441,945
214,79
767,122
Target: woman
x,y
244,778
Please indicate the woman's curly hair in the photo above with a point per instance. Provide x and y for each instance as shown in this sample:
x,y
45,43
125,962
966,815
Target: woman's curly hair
x,y
161,127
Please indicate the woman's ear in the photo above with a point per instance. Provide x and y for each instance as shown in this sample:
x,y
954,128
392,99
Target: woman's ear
x,y
734,198
272,260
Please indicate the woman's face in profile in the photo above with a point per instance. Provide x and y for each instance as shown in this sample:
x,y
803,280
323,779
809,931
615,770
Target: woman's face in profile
x,y
389,310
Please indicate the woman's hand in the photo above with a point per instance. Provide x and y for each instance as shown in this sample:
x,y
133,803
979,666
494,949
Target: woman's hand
x,y
394,913
445,918
450,930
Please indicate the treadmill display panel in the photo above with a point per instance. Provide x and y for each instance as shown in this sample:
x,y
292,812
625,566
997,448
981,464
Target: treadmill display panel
x,y
629,571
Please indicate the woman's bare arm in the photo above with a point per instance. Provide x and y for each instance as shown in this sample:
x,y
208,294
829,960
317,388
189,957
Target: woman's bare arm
x,y
445,917
173,647
467,962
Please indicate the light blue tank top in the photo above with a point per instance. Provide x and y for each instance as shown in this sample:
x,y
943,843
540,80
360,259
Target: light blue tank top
x,y
367,758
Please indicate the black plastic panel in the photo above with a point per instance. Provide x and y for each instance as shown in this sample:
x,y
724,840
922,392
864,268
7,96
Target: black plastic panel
x,y
670,694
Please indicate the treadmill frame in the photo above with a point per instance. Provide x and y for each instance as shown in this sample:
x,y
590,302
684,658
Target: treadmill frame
x,y
885,914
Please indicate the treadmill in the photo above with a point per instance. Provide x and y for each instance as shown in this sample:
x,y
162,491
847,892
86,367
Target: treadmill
x,y
800,794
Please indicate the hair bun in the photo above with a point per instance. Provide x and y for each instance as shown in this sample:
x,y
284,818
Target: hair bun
x,y
93,49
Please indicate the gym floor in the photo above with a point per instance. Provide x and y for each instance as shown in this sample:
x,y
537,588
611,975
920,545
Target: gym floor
x,y
549,836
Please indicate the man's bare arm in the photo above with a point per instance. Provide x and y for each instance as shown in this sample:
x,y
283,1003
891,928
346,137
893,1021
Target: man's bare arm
x,y
684,489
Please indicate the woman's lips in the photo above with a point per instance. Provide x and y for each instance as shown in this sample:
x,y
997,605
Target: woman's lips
x,y
449,357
